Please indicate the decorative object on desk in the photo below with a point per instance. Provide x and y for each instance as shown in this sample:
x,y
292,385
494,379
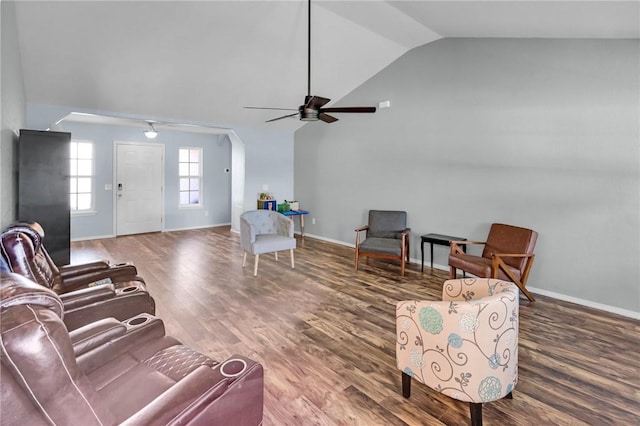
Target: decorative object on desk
x,y
284,207
293,205
266,201
465,346
267,205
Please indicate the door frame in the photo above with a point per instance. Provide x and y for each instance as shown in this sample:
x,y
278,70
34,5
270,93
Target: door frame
x,y
115,178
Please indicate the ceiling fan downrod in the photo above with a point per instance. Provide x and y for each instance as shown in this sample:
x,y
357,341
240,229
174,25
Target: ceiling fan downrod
x,y
309,50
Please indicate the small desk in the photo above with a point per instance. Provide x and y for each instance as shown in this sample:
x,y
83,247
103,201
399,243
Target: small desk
x,y
300,213
443,240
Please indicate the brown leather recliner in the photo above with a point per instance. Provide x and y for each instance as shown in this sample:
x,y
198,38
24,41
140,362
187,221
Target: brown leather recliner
x,y
111,372
89,291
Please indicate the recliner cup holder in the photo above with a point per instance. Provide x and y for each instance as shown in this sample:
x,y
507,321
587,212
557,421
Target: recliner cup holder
x,y
137,321
129,289
233,367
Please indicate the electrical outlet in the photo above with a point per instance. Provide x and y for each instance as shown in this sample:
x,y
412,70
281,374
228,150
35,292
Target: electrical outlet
x,y
313,220
206,212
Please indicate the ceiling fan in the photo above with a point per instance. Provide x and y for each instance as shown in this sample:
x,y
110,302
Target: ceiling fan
x,y
312,109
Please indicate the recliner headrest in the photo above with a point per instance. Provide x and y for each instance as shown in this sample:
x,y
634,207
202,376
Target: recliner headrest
x,y
18,290
32,229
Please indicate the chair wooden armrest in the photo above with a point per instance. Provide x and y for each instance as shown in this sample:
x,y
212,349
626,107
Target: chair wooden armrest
x,y
456,249
497,262
513,254
358,230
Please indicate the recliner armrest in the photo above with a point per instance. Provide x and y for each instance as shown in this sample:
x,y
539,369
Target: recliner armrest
x,y
86,296
95,334
206,396
68,271
115,273
138,330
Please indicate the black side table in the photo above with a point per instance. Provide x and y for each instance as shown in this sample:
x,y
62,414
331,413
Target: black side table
x,y
443,240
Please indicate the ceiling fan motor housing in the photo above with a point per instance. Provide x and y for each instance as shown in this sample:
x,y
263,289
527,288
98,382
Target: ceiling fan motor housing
x,y
308,114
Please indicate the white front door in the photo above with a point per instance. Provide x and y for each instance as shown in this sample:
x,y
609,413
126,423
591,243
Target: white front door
x,y
139,185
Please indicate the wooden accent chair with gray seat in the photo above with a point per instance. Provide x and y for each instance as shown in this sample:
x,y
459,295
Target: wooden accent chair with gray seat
x,y
265,231
507,255
387,237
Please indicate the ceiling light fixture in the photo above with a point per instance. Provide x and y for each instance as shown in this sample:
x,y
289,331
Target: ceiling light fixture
x,y
151,132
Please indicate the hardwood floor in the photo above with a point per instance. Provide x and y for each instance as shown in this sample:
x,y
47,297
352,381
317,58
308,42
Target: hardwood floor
x,y
326,335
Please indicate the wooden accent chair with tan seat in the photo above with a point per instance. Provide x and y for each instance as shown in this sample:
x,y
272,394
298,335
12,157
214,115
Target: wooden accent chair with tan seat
x,y
387,237
507,255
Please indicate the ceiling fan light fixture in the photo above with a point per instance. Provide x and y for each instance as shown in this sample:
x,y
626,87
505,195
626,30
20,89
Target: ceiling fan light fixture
x,y
308,114
151,132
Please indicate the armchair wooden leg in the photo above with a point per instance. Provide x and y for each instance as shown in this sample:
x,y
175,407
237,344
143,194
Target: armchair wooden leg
x,y
357,258
525,291
255,265
476,413
406,385
452,273
244,259
292,264
276,253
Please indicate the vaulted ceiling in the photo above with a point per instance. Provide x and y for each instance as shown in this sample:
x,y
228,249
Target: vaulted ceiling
x,y
202,62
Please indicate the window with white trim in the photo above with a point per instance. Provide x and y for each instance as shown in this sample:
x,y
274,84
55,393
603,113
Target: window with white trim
x,y
81,176
190,175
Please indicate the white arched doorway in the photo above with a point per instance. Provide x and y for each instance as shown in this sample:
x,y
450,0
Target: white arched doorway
x,y
237,179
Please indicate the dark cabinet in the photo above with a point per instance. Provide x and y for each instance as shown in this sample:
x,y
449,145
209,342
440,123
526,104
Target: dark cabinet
x,y
43,188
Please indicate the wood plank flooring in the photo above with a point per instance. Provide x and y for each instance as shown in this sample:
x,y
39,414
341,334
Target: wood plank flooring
x,y
326,334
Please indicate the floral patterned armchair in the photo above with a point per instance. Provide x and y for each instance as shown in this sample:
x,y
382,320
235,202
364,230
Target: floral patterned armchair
x,y
465,346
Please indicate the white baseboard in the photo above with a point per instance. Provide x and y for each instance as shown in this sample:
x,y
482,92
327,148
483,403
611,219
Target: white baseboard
x,y
588,303
100,237
96,237
552,294
189,228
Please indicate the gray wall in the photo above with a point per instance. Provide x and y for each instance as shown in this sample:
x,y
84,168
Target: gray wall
x,y
536,133
12,112
268,159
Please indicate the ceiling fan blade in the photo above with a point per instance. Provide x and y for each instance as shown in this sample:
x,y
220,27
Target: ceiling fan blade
x,y
277,109
315,102
280,118
348,109
327,118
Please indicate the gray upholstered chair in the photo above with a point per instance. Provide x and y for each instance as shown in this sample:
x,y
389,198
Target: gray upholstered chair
x,y
265,231
387,236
